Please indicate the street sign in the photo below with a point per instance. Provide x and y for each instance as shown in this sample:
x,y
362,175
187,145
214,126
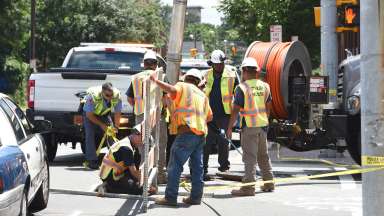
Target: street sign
x,y
276,33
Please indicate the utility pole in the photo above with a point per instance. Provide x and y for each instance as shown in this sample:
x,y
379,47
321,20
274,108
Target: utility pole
x,y
176,40
372,100
32,59
329,54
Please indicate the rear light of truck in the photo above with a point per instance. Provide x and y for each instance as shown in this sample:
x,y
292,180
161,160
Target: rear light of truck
x,y
109,49
1,185
31,94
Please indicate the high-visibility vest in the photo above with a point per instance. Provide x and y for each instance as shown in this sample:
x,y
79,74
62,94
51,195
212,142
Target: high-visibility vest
x,y
110,164
255,97
137,85
227,84
192,110
98,101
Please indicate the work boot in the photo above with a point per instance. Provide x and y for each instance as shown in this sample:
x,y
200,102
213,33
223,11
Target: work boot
x,y
164,201
189,201
207,177
244,191
268,187
91,165
162,178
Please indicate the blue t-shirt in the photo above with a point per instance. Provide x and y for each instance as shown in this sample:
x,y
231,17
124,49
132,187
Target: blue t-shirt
x,y
89,105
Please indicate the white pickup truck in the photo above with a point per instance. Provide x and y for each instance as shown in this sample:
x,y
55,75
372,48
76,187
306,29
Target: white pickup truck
x,y
52,94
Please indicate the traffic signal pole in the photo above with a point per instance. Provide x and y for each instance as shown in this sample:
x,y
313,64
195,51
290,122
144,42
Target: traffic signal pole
x,y
329,53
372,100
176,40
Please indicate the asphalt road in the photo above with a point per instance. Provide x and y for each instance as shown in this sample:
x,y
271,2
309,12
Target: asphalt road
x,y
339,196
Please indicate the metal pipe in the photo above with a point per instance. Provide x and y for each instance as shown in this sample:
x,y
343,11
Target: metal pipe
x,y
176,40
372,100
329,52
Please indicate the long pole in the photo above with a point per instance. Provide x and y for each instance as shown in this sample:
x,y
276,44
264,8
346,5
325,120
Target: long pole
x,y
32,60
372,100
329,54
176,40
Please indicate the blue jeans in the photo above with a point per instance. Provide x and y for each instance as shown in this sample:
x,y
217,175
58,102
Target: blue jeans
x,y
186,146
91,130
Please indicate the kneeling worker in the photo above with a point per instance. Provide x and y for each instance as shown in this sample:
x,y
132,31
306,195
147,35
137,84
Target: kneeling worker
x,y
118,170
252,100
190,113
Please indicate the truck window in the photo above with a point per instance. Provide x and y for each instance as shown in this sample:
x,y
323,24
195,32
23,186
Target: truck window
x,y
106,60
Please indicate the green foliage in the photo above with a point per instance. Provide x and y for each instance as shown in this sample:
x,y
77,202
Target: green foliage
x,y
14,74
252,18
65,23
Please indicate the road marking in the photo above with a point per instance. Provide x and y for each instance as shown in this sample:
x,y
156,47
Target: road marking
x,y
133,209
75,213
346,181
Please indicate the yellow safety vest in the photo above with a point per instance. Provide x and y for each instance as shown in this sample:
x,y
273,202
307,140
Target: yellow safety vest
x,y
192,110
227,85
255,97
95,93
110,164
137,85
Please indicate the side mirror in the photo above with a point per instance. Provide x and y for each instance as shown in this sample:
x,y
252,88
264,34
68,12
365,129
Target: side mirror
x,y
42,126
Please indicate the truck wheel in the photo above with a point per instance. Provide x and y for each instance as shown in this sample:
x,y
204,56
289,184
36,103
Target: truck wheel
x,y
51,151
354,139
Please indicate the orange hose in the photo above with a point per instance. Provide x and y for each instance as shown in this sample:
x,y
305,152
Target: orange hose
x,y
274,67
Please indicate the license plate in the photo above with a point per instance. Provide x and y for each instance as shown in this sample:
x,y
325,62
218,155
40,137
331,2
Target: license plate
x,y
78,119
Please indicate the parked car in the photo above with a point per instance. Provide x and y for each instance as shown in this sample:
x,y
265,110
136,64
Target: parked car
x,y
24,171
53,93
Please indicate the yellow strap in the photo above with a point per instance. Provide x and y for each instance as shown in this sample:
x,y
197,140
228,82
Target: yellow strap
x,y
108,133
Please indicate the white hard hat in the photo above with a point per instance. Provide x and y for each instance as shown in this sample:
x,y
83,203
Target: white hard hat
x,y
217,57
194,73
150,55
250,62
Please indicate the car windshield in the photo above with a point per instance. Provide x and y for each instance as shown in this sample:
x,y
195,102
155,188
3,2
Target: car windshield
x,y
106,60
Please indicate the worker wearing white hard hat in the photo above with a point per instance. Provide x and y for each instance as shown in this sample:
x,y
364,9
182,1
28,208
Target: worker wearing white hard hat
x,y
220,84
252,96
250,62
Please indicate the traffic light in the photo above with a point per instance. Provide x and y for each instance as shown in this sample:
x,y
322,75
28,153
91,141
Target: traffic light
x,y
193,52
234,50
348,13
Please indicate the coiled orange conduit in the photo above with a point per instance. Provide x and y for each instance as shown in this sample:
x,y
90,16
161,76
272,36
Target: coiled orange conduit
x,y
272,58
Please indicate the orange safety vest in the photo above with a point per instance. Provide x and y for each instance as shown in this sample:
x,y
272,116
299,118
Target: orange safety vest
x,y
227,85
137,85
192,110
110,164
256,93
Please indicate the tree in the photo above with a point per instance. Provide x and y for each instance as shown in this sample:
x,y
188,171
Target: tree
x,y
252,18
14,34
206,33
63,24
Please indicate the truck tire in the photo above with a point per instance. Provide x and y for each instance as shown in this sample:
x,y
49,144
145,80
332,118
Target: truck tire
x,y
51,151
354,138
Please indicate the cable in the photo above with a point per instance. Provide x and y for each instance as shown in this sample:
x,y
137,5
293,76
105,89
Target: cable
x,y
279,61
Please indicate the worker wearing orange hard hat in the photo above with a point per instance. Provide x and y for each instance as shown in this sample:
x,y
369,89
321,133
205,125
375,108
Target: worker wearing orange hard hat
x,y
252,100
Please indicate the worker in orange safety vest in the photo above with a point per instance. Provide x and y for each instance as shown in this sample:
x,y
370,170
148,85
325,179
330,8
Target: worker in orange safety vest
x,y
190,112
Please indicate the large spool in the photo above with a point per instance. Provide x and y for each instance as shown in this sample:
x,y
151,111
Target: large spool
x,y
280,61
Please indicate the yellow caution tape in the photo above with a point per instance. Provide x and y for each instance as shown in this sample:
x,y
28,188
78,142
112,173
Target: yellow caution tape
x,y
288,180
372,160
327,162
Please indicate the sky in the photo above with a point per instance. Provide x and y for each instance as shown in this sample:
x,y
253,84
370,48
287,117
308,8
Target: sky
x,y
209,14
